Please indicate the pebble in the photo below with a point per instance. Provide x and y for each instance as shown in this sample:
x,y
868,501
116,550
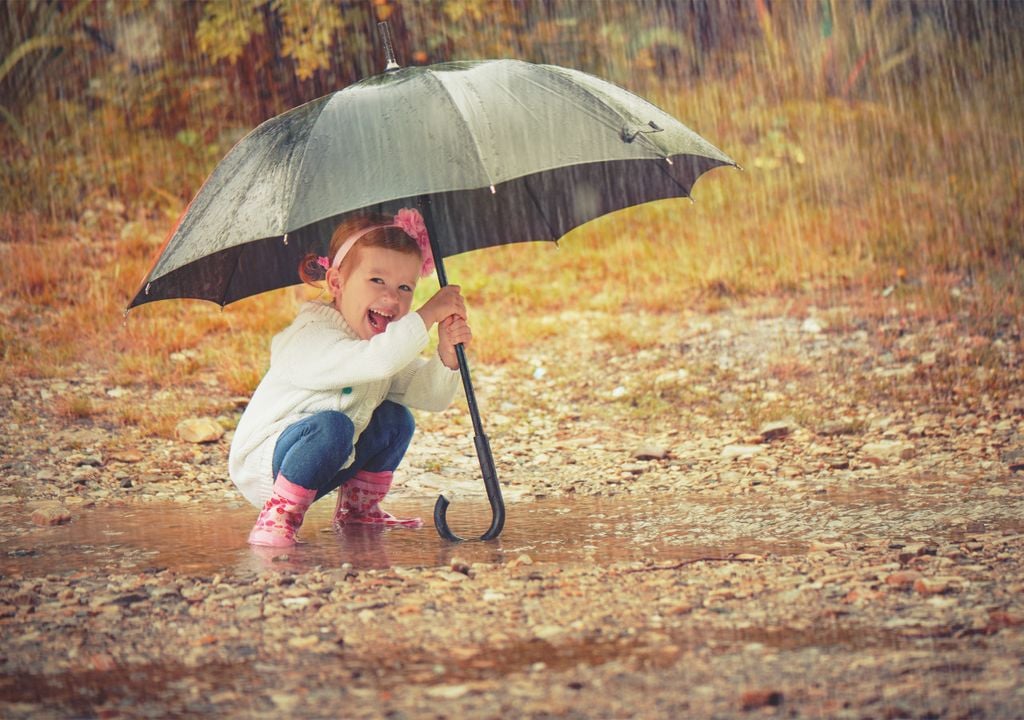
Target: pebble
x,y
651,452
732,452
448,692
199,430
51,513
759,698
774,430
903,578
851,587
838,427
887,450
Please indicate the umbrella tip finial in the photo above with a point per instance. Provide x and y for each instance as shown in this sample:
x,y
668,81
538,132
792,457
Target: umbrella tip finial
x,y
384,28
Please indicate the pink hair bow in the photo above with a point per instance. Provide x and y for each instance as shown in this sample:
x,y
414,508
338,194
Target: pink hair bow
x,y
410,220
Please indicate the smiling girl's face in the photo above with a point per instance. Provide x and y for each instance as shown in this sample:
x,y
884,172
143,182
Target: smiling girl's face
x,y
375,288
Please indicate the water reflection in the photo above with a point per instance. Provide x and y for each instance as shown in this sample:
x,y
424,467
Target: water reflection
x,y
587,529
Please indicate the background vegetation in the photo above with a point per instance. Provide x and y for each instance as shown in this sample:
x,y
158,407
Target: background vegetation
x,y
882,144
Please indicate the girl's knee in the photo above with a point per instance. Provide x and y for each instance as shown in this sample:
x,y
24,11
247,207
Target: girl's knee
x,y
399,419
334,424
334,431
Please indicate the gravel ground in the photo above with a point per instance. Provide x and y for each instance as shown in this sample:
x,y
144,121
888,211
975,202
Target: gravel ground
x,y
762,511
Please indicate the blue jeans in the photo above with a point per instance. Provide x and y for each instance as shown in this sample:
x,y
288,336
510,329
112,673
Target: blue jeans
x,y
310,452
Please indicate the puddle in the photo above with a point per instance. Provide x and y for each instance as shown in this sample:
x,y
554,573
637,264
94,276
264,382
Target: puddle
x,y
587,529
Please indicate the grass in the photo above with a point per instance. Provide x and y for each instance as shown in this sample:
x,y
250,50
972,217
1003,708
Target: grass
x,y
837,197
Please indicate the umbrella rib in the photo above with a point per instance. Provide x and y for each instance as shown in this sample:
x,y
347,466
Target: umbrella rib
x,y
555,235
664,171
466,126
231,275
302,162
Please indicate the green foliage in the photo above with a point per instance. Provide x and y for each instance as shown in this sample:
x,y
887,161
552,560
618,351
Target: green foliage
x,y
32,30
310,27
227,27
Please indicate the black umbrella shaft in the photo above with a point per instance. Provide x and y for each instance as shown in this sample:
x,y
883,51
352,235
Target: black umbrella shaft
x,y
483,445
460,353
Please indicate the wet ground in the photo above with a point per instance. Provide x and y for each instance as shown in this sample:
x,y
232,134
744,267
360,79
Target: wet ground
x,y
653,529
858,556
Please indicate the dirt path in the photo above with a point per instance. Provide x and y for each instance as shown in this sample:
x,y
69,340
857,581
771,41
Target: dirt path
x,y
804,514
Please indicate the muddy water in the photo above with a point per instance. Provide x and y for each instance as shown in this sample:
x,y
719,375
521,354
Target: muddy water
x,y
591,529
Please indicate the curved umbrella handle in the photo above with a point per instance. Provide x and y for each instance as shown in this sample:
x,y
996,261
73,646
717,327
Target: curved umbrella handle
x,y
483,446
483,452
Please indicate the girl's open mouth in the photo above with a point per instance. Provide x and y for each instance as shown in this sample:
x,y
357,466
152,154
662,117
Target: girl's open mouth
x,y
378,320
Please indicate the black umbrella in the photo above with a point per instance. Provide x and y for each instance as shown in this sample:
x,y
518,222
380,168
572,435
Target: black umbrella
x,y
492,152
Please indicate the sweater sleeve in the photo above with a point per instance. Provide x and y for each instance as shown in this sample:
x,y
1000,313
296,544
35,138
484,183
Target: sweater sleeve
x,y
316,353
425,385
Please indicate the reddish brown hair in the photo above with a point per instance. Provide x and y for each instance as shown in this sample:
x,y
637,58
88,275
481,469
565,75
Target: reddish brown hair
x,y
382,236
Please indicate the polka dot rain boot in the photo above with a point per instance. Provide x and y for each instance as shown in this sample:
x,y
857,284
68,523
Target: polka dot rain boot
x,y
359,502
282,515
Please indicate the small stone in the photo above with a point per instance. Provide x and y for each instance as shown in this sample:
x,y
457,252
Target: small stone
x,y
931,586
284,702
650,452
811,326
199,430
448,692
838,427
304,642
759,698
731,452
50,513
827,545
836,462
886,450
912,550
903,578
127,456
87,460
774,431
548,632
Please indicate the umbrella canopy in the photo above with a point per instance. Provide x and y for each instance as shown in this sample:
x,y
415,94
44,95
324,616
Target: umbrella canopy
x,y
502,151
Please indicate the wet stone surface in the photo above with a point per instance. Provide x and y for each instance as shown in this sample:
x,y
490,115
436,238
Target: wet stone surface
x,y
828,525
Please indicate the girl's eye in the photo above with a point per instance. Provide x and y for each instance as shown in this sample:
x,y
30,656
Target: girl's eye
x,y
405,288
379,281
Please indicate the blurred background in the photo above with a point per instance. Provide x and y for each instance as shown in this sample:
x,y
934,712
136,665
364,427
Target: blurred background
x,y
881,144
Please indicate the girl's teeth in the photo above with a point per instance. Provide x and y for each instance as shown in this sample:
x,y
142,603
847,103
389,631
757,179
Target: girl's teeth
x,y
378,321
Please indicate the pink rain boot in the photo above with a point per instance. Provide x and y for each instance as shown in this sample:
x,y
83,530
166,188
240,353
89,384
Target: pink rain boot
x,y
282,516
359,498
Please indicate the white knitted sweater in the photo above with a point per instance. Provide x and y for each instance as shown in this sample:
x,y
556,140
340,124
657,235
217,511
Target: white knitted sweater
x,y
318,363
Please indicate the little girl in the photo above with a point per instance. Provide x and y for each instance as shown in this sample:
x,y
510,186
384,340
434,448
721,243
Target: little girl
x,y
331,410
